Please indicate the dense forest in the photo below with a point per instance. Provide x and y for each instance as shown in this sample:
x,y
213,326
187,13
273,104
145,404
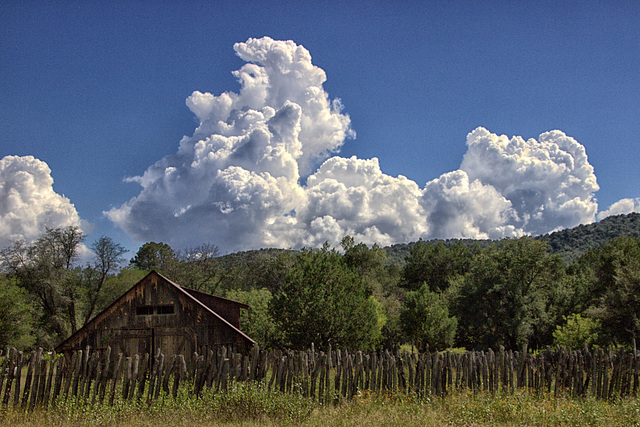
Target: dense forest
x,y
574,287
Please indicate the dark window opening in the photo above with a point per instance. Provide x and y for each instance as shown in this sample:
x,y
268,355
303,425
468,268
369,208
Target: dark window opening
x,y
165,309
144,309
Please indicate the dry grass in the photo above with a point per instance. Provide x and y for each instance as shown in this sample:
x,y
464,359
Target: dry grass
x,y
250,405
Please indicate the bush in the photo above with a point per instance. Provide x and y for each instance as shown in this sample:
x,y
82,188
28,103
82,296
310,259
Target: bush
x,y
577,331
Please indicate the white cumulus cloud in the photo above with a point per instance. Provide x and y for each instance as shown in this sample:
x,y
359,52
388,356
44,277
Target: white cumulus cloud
x,y
28,203
248,177
621,207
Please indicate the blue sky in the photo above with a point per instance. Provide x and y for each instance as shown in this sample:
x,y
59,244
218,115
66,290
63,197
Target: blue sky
x,y
97,91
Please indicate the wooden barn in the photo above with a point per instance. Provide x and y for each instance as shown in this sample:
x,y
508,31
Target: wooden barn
x,y
158,314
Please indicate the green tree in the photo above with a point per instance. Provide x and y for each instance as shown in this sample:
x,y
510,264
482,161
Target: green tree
x,y
16,320
322,301
425,320
370,263
108,257
257,322
435,265
577,331
196,268
154,255
46,270
506,297
64,296
615,290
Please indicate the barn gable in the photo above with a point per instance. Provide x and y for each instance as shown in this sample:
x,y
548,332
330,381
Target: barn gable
x,y
226,308
157,314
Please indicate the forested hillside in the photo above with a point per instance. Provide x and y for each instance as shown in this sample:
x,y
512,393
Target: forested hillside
x,y
569,243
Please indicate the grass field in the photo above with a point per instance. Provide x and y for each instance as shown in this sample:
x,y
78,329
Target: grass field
x,y
251,404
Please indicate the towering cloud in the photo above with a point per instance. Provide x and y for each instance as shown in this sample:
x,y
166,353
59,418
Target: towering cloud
x,y
28,203
248,177
510,187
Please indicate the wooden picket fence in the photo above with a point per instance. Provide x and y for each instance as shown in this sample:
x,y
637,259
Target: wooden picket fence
x,y
42,379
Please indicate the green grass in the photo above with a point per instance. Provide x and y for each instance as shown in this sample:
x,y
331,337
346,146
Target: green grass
x,y
251,404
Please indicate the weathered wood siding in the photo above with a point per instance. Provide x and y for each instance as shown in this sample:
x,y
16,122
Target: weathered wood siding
x,y
157,315
229,310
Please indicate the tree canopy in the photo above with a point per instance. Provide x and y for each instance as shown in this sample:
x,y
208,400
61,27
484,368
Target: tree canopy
x,y
322,301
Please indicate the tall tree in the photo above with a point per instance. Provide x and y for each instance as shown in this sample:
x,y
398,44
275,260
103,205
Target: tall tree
x,y
257,322
197,268
425,319
108,257
370,263
615,291
46,270
322,301
435,265
505,298
154,255
16,320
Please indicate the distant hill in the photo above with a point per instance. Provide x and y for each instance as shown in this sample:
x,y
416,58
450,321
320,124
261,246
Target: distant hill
x,y
569,243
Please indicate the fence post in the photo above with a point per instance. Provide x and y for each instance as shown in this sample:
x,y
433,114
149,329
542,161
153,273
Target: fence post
x,y
159,376
116,376
27,383
35,386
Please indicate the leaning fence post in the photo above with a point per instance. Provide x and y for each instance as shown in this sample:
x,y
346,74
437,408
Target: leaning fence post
x,y
27,383
49,383
116,376
17,376
161,368
10,367
37,377
4,368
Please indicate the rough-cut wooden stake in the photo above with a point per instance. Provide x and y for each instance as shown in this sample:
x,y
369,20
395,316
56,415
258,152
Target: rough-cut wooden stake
x,y
281,377
84,371
61,367
224,374
328,366
46,390
28,380
255,356
636,372
142,378
5,368
179,373
170,368
18,374
107,372
211,368
153,374
38,389
92,368
161,368
53,364
134,376
126,377
116,377
10,368
96,384
77,373
314,368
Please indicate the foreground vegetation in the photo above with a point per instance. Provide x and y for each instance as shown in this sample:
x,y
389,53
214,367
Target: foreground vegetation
x,y
252,404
